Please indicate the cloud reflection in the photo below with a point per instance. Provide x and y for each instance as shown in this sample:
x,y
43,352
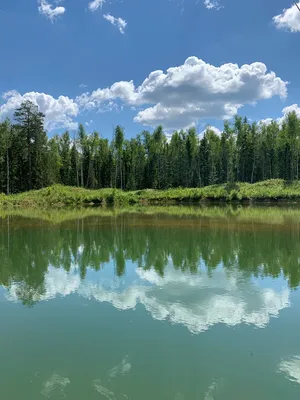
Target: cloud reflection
x,y
121,369
58,282
56,384
291,368
197,302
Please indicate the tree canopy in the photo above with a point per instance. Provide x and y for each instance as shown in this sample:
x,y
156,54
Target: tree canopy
x,y
242,152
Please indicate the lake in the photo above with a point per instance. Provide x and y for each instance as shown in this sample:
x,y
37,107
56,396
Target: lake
x,y
171,303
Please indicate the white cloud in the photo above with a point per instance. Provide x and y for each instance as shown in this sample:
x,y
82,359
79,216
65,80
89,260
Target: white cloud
x,y
177,98
49,11
266,121
125,91
182,95
289,19
212,4
95,4
289,109
59,113
83,86
118,22
216,130
291,368
285,112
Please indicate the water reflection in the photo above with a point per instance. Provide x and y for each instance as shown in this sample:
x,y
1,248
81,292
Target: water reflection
x,y
195,276
55,385
197,302
213,389
291,368
103,386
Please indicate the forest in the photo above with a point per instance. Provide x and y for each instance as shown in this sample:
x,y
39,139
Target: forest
x,y
243,152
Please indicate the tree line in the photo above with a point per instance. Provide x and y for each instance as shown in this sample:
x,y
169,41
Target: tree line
x,y
243,152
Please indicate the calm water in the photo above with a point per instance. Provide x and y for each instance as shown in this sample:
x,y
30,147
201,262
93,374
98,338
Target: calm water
x,y
143,307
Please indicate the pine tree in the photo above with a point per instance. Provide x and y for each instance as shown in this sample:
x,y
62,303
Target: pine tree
x,y
30,124
119,141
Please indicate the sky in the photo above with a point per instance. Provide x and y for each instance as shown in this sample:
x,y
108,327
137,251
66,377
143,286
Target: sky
x,y
141,63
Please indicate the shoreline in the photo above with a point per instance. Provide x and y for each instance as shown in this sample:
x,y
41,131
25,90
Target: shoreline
x,y
267,192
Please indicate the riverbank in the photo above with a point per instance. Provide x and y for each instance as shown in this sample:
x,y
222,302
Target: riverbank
x,y
64,196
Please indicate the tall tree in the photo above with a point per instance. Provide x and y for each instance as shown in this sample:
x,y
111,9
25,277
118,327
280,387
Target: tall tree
x,y
119,141
30,124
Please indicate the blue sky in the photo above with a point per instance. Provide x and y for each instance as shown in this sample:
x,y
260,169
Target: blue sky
x,y
89,61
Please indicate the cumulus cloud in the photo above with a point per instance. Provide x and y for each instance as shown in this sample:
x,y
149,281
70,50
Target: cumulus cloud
x,y
289,19
195,90
212,4
287,110
216,130
118,22
95,4
291,368
49,11
125,91
59,113
177,98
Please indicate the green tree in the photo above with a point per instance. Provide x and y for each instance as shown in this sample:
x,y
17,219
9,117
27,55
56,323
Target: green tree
x,y
119,141
30,124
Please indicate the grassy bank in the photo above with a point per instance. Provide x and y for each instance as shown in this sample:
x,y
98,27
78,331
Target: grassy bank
x,y
63,196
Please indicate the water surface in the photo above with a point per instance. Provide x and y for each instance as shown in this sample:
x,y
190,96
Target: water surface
x,y
193,304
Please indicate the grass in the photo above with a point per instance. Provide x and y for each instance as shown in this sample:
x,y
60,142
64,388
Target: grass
x,y
65,196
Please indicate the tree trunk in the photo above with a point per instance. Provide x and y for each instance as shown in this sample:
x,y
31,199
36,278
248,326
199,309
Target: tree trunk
x,y
7,170
297,168
82,183
116,172
121,172
76,162
252,172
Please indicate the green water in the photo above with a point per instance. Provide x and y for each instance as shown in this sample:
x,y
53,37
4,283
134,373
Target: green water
x,y
201,306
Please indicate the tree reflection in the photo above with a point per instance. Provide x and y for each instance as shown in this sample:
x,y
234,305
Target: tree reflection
x,y
27,250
